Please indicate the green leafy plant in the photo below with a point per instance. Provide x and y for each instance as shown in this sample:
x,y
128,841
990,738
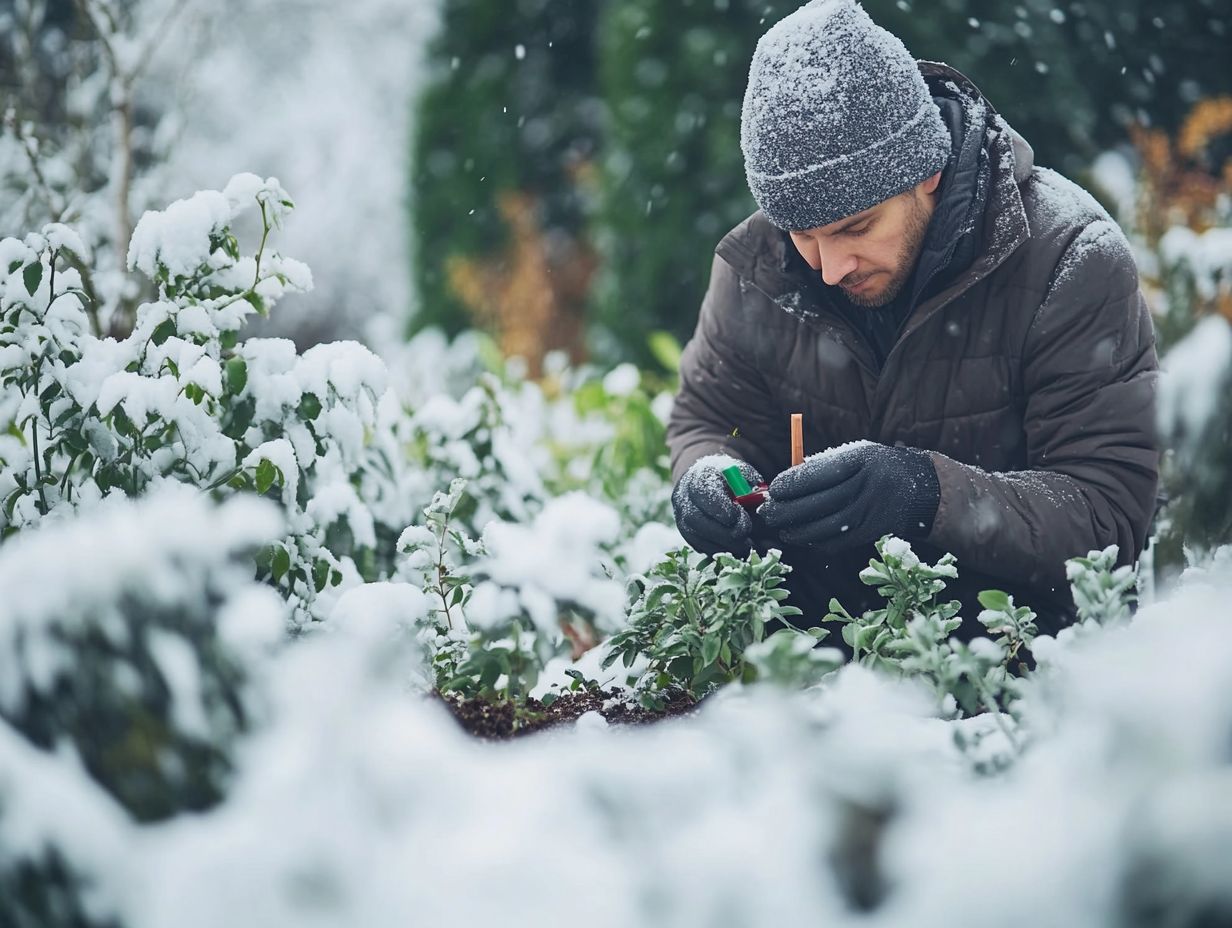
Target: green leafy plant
x,y
434,554
694,618
911,635
1103,592
910,589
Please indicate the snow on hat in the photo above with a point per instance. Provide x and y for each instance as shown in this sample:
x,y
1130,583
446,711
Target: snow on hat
x,y
836,118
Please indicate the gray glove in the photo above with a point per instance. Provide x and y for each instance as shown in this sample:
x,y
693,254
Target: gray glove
x,y
706,515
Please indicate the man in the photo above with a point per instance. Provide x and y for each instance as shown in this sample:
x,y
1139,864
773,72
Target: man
x,y
913,280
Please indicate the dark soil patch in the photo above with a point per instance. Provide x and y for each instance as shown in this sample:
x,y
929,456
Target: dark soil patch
x,y
498,721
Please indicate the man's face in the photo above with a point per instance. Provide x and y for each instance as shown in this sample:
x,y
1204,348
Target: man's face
x,y
871,255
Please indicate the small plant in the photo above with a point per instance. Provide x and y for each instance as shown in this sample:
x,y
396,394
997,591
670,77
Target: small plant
x,y
910,589
1103,592
502,617
695,618
911,634
431,552
1014,625
1104,595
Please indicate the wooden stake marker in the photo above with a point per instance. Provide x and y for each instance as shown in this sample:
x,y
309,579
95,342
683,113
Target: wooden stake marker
x,y
797,439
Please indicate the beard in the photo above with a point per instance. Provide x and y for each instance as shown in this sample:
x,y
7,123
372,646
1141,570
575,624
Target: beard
x,y
904,265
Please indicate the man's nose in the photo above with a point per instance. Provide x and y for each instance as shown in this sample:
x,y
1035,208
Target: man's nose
x,y
836,263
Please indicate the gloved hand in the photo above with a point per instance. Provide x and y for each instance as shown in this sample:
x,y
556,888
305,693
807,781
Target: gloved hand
x,y
707,516
854,495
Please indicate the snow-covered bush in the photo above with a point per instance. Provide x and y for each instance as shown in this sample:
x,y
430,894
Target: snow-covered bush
x,y
354,804
503,606
127,638
182,398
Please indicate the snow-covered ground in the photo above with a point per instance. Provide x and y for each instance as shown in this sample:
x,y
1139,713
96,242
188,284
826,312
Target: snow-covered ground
x,y
356,801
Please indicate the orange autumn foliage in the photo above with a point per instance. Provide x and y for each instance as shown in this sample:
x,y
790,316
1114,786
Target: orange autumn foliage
x,y
532,295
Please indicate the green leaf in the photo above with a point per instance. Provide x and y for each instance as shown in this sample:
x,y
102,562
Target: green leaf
x,y
666,350
11,502
237,376
320,575
266,474
309,407
164,331
33,276
995,600
491,670
710,649
280,564
652,702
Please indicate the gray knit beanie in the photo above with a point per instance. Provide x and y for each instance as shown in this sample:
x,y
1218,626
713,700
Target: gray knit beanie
x,y
837,118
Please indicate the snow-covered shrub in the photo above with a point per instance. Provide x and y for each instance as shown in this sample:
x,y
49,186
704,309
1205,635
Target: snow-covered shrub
x,y
476,439
182,398
1195,423
127,636
85,128
502,607
693,618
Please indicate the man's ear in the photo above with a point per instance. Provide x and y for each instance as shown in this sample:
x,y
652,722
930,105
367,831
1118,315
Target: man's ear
x,y
929,184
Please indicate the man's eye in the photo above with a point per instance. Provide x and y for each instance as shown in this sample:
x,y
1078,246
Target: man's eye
x,y
859,230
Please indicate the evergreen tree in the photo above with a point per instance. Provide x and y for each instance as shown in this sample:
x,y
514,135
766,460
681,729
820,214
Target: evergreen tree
x,y
672,73
1072,77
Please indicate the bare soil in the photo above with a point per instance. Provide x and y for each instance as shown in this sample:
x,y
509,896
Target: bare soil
x,y
498,721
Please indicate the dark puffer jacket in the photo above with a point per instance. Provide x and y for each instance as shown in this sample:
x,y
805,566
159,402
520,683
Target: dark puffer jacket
x,y
1030,375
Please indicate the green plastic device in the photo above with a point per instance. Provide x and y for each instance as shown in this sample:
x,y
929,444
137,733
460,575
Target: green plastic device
x,y
735,480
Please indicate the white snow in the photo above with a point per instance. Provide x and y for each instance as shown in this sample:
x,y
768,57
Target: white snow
x,y
1192,372
179,236
557,558
622,380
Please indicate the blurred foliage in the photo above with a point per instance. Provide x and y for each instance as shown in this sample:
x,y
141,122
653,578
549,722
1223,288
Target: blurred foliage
x,y
1185,183
507,130
1073,77
672,73
619,126
1180,223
